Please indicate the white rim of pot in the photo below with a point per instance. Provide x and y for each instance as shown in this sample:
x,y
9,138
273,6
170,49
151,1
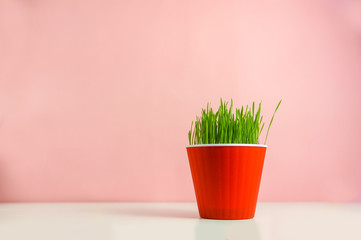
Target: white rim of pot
x,y
227,145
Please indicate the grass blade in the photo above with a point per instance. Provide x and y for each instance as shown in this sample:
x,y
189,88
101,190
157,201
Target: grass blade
x,y
269,126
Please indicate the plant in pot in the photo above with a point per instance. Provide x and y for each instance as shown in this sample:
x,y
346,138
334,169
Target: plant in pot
x,y
226,160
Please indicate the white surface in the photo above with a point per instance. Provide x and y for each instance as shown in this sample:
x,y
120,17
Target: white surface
x,y
171,221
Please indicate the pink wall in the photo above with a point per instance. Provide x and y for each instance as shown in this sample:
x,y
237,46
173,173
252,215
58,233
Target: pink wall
x,y
96,97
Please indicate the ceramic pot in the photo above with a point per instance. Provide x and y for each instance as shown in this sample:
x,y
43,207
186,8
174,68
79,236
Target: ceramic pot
x,y
226,178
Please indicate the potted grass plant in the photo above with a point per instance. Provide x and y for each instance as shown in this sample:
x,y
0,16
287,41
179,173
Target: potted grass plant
x,y
226,160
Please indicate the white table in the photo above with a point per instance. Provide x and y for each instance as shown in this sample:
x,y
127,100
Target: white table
x,y
170,221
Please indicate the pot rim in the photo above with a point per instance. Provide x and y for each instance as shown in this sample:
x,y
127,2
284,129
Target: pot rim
x,y
227,145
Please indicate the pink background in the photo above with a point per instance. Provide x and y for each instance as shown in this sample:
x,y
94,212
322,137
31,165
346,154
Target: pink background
x,y
96,97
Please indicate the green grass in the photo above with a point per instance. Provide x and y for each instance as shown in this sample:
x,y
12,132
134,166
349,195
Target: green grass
x,y
223,126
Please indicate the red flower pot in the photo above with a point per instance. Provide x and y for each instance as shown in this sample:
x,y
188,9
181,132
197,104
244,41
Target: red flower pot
x,y
226,178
